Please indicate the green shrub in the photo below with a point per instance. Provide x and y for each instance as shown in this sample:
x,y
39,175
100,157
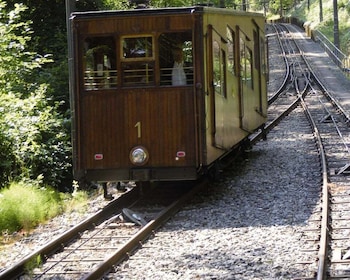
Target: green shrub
x,y
6,159
327,25
34,137
24,206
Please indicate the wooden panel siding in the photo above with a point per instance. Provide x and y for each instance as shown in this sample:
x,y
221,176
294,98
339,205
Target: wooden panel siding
x,y
134,25
167,121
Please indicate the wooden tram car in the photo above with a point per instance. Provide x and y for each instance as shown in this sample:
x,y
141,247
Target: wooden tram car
x,y
133,121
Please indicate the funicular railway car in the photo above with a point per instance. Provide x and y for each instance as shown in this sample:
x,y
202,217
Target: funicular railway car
x,y
161,94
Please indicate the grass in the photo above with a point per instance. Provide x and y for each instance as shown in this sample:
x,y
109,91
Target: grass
x,y
23,206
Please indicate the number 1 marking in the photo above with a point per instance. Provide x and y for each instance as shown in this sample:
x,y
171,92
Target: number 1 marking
x,y
138,126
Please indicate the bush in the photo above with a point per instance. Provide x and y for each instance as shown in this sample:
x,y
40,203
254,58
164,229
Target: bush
x,y
327,25
34,137
6,159
24,206
40,146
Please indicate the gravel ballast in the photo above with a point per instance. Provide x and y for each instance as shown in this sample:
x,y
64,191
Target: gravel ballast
x,y
248,225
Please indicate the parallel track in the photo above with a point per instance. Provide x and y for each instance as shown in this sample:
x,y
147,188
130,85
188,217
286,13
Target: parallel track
x,y
328,237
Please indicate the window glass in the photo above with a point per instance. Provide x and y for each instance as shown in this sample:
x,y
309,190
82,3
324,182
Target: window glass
x,y
231,50
256,50
99,63
223,73
263,56
137,61
219,67
246,64
138,73
249,67
216,67
137,47
176,58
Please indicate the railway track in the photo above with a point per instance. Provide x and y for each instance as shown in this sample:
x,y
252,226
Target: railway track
x,y
284,99
95,246
327,239
55,245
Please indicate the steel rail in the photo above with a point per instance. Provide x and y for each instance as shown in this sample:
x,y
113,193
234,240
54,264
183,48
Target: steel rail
x,y
327,92
325,216
55,245
336,126
323,250
146,231
301,87
277,120
287,72
274,122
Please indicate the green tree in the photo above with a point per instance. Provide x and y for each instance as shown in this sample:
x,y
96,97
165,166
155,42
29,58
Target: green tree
x,y
32,142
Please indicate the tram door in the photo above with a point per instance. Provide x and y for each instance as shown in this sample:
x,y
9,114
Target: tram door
x,y
217,74
246,76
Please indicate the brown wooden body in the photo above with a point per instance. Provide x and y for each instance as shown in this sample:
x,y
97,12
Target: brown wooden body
x,y
183,128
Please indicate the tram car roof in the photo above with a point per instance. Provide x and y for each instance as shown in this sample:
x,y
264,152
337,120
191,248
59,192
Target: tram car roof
x,y
163,11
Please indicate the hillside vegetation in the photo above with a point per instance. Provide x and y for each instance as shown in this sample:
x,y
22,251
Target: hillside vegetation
x,y
327,25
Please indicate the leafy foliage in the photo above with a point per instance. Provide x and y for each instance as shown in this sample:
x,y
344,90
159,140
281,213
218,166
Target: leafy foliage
x,y
311,14
114,5
127,4
38,140
23,206
33,141
16,64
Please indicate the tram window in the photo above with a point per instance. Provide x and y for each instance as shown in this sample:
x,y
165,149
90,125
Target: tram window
x,y
263,56
176,58
231,50
256,50
137,47
138,73
246,64
137,61
216,67
223,73
99,63
219,69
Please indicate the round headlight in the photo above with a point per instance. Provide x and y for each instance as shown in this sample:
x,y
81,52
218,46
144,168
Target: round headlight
x,y
138,155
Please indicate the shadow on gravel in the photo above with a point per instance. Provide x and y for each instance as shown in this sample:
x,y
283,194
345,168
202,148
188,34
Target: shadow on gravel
x,y
251,221
221,265
262,189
